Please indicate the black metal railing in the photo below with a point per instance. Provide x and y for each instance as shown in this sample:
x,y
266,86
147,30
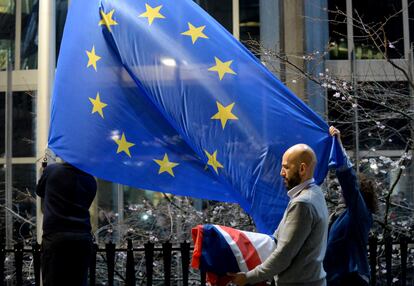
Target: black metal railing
x,y
396,270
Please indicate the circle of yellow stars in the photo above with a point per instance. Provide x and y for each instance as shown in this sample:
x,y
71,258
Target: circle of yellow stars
x,y
222,68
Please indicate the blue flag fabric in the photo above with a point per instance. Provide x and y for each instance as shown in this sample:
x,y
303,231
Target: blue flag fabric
x,y
157,95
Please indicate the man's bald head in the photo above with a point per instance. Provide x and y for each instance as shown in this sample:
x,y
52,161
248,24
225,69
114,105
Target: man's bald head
x,y
298,164
302,153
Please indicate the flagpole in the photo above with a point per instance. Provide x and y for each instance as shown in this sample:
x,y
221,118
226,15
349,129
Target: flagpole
x,y
236,18
8,154
46,75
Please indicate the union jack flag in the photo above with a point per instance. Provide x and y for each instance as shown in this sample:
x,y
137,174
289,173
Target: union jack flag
x,y
220,249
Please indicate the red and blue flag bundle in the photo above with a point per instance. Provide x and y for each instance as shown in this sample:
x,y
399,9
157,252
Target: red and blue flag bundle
x,y
220,249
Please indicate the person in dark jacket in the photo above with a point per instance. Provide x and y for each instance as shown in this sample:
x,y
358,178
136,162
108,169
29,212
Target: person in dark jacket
x,y
67,194
346,261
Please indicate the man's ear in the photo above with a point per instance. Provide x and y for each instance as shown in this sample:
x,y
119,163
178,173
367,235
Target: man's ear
x,y
302,168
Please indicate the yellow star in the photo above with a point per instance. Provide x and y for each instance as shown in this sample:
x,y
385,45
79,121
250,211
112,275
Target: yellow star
x,y
166,165
195,32
123,145
92,58
98,105
212,161
152,13
222,68
107,19
224,114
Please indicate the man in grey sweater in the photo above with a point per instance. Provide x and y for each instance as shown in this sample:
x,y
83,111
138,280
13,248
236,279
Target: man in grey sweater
x,y
302,233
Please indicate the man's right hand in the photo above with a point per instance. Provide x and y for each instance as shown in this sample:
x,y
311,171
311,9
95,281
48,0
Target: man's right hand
x,y
238,278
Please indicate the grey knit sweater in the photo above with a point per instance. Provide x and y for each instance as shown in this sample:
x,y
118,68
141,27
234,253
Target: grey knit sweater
x,y
301,243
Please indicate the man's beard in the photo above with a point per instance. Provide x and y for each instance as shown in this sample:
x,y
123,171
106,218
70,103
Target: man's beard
x,y
294,181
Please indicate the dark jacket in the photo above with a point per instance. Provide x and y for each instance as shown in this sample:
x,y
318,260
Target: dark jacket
x,y
348,235
67,194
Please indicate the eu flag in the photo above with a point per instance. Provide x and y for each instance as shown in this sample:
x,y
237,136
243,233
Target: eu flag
x,y
157,95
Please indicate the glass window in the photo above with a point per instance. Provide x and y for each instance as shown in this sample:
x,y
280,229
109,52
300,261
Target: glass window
x,y
23,124
381,115
221,10
338,43
249,20
24,178
136,210
381,120
384,23
147,210
7,30
24,202
29,40
385,170
61,13
107,209
134,197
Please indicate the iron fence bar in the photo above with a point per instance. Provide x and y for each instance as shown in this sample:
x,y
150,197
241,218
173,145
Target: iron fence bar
x,y
373,244
403,249
149,260
110,262
130,265
388,259
36,262
166,253
185,261
18,262
92,266
2,269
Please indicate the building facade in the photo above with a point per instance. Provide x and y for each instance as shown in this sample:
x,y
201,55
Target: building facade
x,y
312,38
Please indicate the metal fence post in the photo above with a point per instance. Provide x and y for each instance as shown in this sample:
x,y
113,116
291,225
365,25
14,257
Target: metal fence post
x,y
166,254
2,258
149,260
388,259
36,262
185,261
403,249
130,265
92,266
110,262
373,243
18,263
